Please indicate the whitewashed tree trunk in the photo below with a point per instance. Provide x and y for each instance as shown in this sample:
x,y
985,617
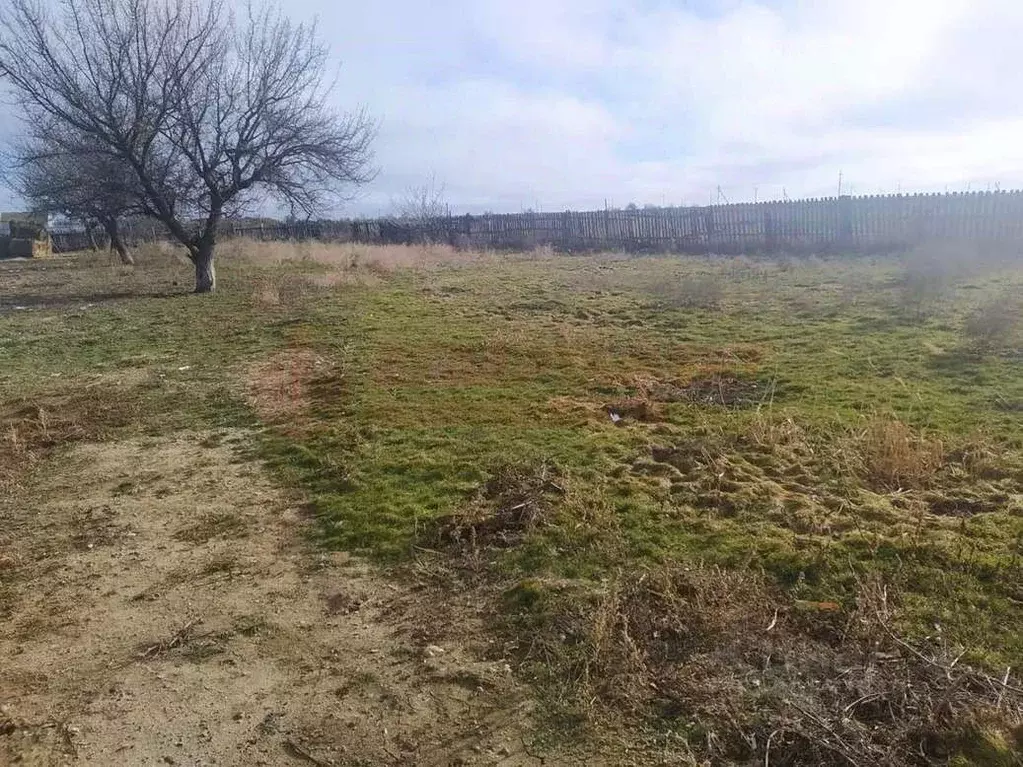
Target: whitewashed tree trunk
x,y
205,271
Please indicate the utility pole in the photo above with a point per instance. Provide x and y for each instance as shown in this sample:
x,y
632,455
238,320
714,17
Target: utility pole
x,y
839,183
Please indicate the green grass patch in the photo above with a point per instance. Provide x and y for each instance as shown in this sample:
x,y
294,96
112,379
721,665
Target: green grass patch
x,y
818,424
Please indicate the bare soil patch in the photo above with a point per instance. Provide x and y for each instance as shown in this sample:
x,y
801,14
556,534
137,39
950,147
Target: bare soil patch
x,y
278,387
32,429
163,607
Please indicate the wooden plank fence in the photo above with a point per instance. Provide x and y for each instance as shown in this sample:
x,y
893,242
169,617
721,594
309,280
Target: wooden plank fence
x,y
833,224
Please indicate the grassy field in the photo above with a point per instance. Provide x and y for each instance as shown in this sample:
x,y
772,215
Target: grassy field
x,y
742,510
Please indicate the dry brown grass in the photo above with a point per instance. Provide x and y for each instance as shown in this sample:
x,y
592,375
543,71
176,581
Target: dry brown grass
x,y
978,456
266,291
157,253
331,265
635,409
645,626
768,431
381,259
32,430
542,253
518,498
339,257
755,677
278,387
894,456
334,278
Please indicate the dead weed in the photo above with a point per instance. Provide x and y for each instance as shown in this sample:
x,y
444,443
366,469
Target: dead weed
x,y
30,430
754,677
516,499
179,639
379,259
768,431
893,456
722,389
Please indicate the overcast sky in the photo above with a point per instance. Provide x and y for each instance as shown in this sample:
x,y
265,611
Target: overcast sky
x,y
563,104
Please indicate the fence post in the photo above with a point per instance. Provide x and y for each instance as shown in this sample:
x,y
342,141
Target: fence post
x,y
708,218
845,225
770,233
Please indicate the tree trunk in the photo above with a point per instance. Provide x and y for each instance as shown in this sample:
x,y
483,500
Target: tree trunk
x,y
90,234
205,272
116,243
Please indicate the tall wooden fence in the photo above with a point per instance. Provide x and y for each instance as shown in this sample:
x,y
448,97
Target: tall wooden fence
x,y
834,224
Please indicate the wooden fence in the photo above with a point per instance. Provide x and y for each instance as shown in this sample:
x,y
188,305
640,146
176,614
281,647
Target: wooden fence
x,y
834,224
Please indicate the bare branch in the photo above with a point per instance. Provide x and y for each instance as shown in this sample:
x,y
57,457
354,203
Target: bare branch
x,y
67,172
208,114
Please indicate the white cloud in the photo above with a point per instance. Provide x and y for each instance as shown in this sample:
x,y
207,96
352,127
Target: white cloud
x,y
663,103
566,103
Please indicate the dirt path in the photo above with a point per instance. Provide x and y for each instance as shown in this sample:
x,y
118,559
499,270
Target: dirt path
x,y
160,605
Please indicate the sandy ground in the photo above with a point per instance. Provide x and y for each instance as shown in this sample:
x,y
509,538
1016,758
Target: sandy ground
x,y
160,604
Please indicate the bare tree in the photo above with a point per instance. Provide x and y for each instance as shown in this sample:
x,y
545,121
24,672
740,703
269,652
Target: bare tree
x,y
61,171
421,204
210,113
422,211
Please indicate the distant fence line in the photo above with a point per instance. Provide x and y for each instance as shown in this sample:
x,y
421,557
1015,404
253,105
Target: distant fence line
x,y
833,224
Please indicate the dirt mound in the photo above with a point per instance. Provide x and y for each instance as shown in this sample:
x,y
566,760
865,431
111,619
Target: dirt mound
x,y
635,409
